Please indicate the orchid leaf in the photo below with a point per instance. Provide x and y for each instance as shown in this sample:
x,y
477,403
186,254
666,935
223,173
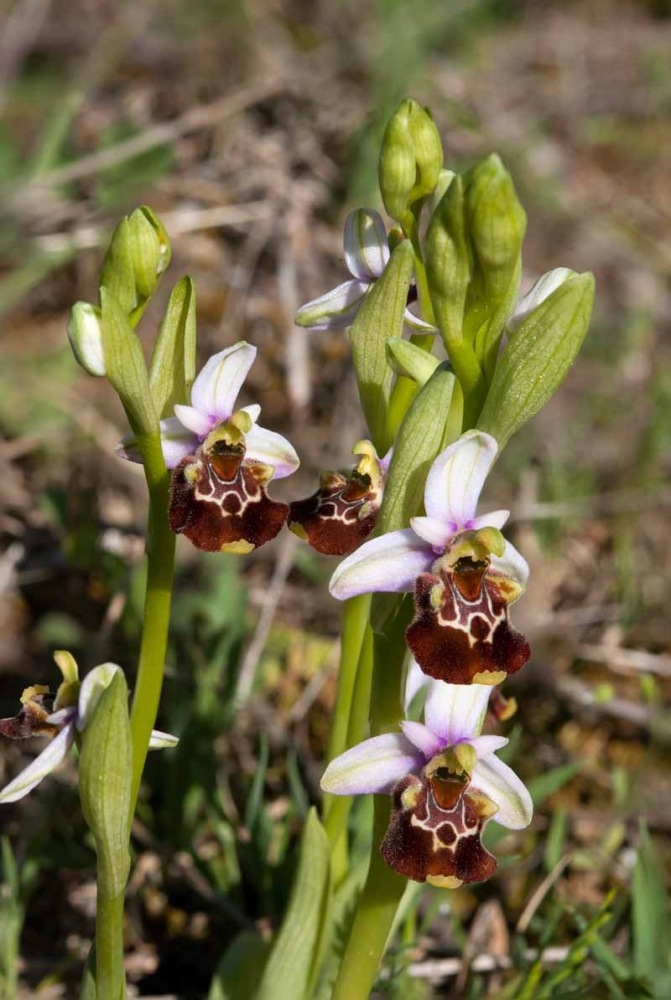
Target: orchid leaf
x,y
173,363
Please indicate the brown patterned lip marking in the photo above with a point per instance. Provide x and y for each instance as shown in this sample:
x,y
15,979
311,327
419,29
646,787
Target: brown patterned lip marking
x,y
461,631
36,705
219,500
435,829
342,513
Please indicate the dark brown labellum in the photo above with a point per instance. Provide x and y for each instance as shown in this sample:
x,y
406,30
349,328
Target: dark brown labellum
x,y
340,515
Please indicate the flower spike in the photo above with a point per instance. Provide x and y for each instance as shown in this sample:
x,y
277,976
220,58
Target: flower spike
x,y
463,573
342,513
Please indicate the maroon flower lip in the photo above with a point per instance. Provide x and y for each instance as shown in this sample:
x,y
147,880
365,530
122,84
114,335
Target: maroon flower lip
x,y
219,500
341,514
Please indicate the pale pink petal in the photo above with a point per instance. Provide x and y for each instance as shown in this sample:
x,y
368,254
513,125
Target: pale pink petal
x,y
543,288
194,420
495,519
176,443
511,563
388,564
500,783
52,755
422,737
271,449
433,531
486,745
417,324
456,712
216,389
366,247
162,741
415,680
373,766
456,478
335,309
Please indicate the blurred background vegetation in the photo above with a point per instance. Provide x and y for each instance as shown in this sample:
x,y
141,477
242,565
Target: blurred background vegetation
x,y
251,126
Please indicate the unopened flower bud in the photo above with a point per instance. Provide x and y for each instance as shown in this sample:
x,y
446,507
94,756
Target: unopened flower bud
x,y
138,254
447,261
496,218
410,159
85,336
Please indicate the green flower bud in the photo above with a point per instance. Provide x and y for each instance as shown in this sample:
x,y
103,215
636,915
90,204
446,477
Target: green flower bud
x,y
138,254
411,361
86,339
447,262
105,767
496,225
411,158
538,358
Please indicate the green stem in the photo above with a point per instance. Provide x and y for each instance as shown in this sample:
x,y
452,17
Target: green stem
x,y
355,620
383,889
156,621
110,979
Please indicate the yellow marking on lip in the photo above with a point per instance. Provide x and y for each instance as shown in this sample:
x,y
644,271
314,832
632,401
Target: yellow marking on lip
x,y
490,677
444,881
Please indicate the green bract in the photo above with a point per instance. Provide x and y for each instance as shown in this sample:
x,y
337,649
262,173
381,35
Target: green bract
x,y
125,365
410,361
173,363
447,263
538,358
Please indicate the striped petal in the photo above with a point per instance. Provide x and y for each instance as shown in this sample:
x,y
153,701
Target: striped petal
x,y
456,478
456,712
366,247
334,310
216,389
52,755
270,448
500,783
389,564
373,766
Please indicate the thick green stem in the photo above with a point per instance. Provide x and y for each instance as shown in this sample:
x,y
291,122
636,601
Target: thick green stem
x,y
158,595
355,619
383,889
110,979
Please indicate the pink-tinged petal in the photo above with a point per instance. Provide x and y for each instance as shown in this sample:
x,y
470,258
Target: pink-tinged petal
x,y
386,460
421,736
389,564
62,717
366,247
511,563
176,443
486,745
417,324
194,420
373,766
48,760
456,712
334,310
433,531
253,410
500,783
416,679
162,741
495,519
270,448
457,476
216,389
91,690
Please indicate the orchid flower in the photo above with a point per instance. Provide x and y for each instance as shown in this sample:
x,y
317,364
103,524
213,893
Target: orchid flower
x,y
73,708
222,461
463,574
342,513
366,255
445,781
537,294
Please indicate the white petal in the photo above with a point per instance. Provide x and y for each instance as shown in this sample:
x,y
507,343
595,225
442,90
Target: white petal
x,y
416,679
456,711
216,389
253,410
495,519
502,785
389,564
484,746
543,288
373,766
86,338
457,476
421,736
162,741
62,716
48,760
271,449
92,688
366,247
176,443
334,310
511,563
433,531
417,324
194,420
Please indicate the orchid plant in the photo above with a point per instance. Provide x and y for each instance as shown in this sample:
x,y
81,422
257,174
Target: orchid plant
x,y
427,581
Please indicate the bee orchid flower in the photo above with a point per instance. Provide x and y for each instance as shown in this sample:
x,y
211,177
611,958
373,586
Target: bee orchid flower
x,y
222,461
446,783
463,573
71,710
